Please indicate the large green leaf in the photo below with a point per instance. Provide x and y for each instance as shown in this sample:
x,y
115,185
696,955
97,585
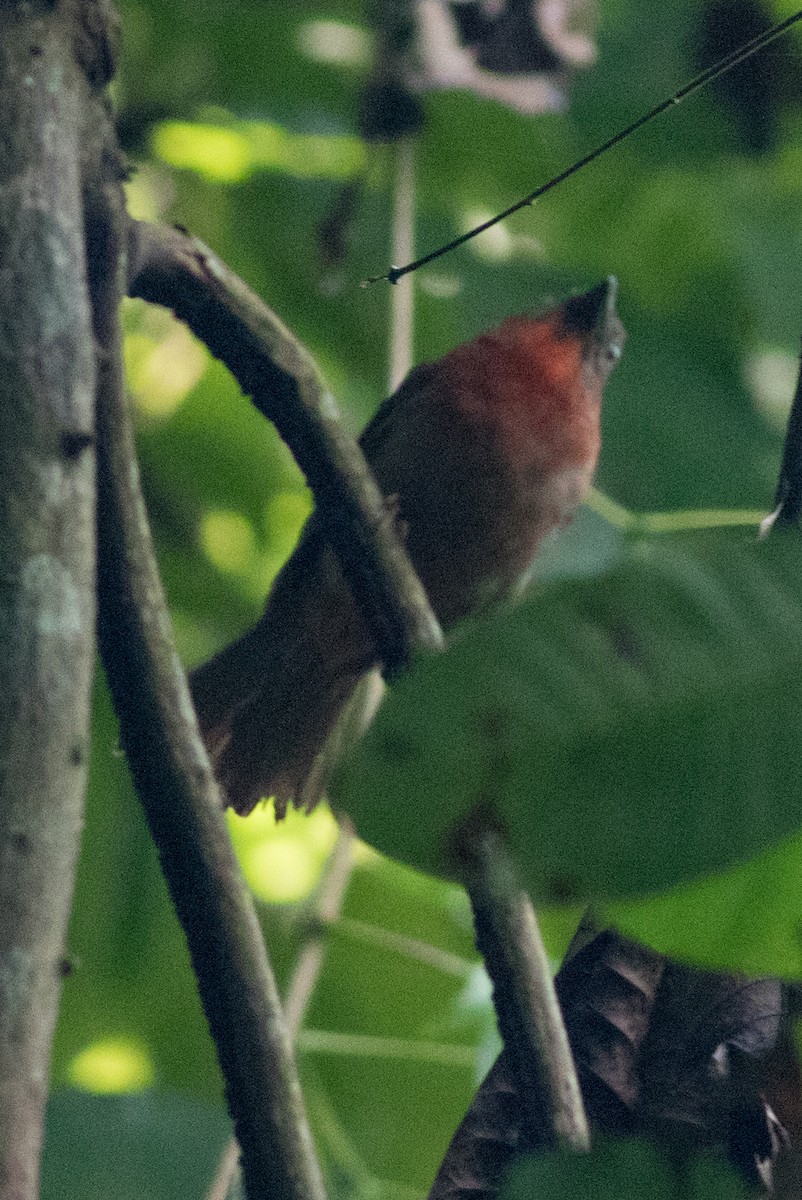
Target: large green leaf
x,y
630,731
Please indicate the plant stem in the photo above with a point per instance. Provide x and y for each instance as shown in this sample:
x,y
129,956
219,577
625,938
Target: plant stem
x,y
527,1007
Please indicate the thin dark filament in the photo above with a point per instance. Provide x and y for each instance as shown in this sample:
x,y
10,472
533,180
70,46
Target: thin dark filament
x,y
789,489
707,76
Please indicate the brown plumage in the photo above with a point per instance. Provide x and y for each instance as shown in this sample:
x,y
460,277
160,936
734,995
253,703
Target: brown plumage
x,y
487,450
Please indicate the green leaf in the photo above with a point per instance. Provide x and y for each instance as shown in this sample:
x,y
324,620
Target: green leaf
x,y
621,1170
746,919
630,731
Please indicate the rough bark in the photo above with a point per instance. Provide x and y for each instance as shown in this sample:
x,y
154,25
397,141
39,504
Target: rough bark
x,y
47,538
175,785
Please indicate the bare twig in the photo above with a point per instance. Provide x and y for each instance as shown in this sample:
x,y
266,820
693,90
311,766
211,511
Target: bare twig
x,y
326,910
303,980
171,268
47,547
389,941
526,1003
402,299
227,1182
185,814
788,497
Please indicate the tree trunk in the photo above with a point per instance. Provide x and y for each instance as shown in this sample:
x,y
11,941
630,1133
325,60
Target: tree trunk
x,y
54,59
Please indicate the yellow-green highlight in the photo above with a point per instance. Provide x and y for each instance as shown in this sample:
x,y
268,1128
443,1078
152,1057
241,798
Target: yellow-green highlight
x,y
162,370
231,153
112,1067
680,521
285,515
282,860
229,541
254,554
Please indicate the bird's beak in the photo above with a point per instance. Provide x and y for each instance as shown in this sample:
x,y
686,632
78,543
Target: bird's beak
x,y
593,317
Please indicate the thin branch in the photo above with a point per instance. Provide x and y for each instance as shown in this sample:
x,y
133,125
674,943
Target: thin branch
x,y
356,1178
366,1045
303,981
326,911
699,81
402,298
527,1007
227,1182
171,268
390,942
185,814
788,497
47,550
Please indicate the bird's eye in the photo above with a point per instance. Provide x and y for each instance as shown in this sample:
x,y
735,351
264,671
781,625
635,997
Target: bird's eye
x,y
613,352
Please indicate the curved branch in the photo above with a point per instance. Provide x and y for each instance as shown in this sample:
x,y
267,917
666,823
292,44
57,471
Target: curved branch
x,y
169,267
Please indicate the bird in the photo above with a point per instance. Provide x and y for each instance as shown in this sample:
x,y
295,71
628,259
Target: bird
x,y
483,454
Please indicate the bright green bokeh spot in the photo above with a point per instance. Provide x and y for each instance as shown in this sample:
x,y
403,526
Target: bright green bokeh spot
x,y
221,155
229,541
229,154
112,1066
280,870
282,860
162,370
285,515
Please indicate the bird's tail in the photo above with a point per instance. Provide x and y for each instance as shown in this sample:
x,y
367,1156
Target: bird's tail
x,y
268,703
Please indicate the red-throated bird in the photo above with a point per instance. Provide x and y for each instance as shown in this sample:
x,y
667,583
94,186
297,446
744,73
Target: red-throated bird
x,y
486,451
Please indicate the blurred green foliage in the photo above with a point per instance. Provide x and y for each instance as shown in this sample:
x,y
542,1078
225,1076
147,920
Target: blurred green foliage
x,y
241,121
627,1169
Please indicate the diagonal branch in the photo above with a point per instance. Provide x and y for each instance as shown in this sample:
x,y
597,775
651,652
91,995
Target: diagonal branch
x,y
171,268
328,902
528,1011
183,805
